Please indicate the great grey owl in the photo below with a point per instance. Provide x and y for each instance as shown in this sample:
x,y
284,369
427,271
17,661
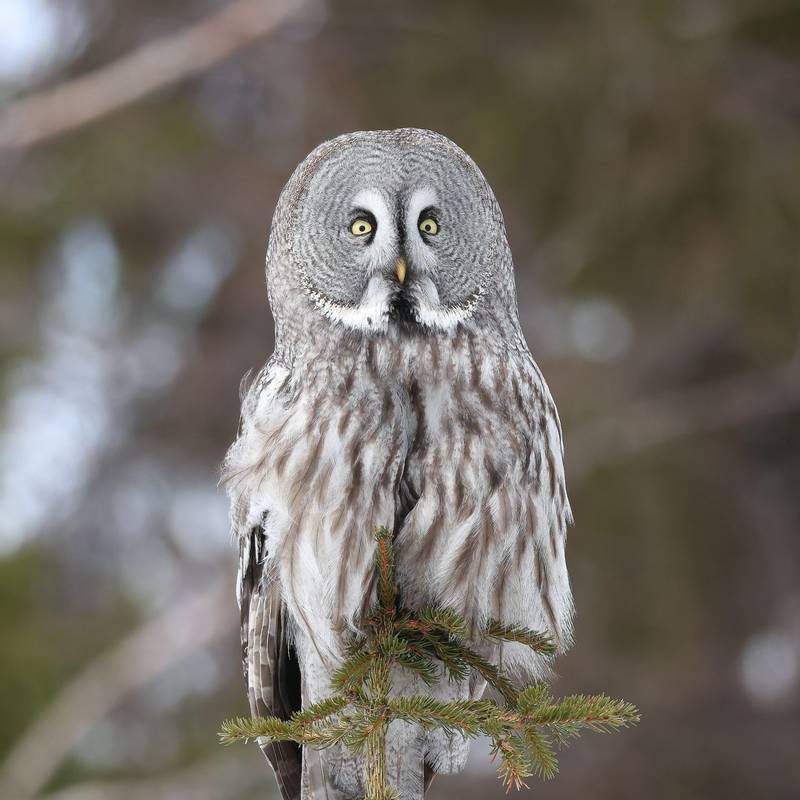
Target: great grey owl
x,y
401,393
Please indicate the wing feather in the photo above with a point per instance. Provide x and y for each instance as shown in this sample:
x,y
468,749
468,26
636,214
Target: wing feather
x,y
271,671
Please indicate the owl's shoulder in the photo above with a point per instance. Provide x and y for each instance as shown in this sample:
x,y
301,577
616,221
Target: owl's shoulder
x,y
266,383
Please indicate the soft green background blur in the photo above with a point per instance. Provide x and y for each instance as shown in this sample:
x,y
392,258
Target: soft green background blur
x,y
647,158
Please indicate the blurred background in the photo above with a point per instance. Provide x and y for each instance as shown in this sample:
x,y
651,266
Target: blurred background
x,y
646,154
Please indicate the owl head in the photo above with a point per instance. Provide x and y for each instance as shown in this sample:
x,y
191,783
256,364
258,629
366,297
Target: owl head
x,y
383,228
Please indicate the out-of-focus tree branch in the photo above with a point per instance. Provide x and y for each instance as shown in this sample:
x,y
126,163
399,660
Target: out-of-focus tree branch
x,y
52,112
227,775
105,682
700,409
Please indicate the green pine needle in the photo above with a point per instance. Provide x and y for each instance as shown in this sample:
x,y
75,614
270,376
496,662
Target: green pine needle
x,y
420,664
457,716
352,673
596,712
320,711
493,676
446,650
244,729
539,642
444,620
321,735
515,762
542,756
533,697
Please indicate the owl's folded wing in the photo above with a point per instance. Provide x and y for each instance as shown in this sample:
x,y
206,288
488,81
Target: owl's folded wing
x,y
270,669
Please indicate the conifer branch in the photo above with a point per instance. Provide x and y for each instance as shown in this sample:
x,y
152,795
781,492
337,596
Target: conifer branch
x,y
319,711
515,761
492,674
543,758
446,621
596,712
458,716
245,729
352,672
516,633
433,642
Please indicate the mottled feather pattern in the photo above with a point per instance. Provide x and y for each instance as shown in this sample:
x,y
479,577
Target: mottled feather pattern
x,y
428,416
327,461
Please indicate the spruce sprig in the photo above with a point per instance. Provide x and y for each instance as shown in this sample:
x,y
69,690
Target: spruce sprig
x,y
525,730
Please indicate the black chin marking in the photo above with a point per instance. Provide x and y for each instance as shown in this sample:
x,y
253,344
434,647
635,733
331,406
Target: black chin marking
x,y
403,312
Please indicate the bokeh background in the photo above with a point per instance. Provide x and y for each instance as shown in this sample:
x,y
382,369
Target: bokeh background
x,y
647,157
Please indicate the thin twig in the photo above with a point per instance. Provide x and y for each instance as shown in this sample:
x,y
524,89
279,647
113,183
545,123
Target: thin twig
x,y
106,681
703,409
153,66
229,775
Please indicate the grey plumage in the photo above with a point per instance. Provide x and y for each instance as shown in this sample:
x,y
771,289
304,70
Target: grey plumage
x,y
398,397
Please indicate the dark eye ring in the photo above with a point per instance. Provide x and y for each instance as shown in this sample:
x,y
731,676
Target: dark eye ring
x,y
428,222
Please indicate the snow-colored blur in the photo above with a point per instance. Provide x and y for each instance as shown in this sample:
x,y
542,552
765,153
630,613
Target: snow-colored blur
x,y
39,36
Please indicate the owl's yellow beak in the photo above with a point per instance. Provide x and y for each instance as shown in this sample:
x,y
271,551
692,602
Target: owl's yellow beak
x,y
400,269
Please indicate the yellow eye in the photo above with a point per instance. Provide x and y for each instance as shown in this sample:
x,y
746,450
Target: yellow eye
x,y
429,226
361,227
